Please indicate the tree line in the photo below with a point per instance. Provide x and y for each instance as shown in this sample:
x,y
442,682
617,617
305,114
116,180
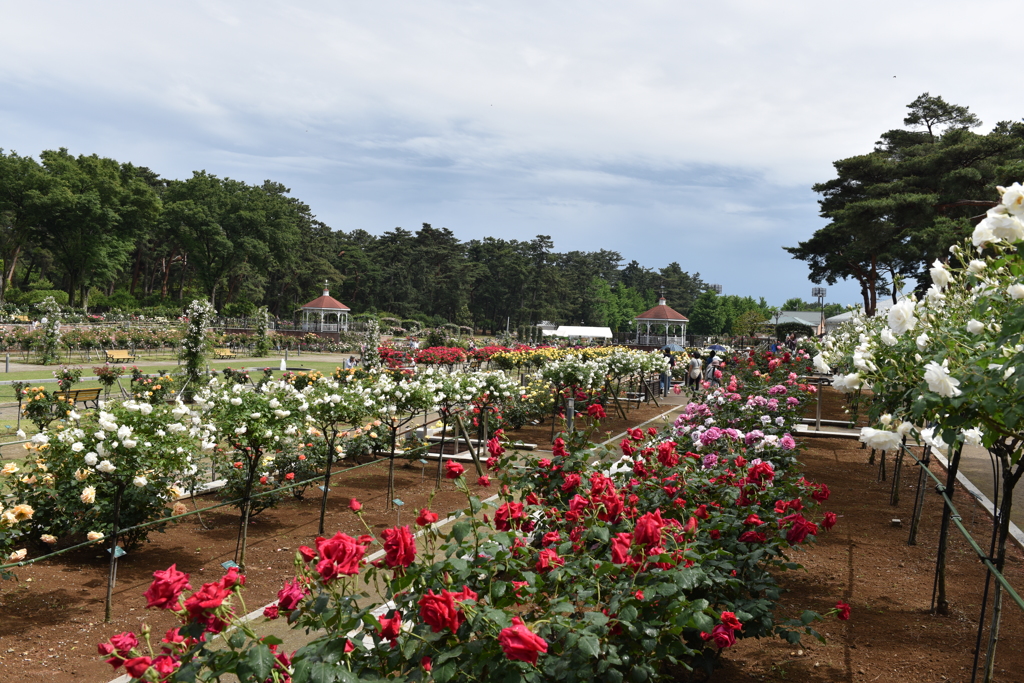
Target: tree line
x,y
896,209
100,234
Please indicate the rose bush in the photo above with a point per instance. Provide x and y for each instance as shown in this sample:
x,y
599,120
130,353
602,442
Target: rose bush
x,y
594,564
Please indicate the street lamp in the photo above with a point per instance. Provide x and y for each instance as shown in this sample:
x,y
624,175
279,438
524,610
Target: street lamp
x,y
717,289
819,294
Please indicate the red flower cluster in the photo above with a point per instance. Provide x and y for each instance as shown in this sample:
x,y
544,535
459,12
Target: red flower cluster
x,y
165,591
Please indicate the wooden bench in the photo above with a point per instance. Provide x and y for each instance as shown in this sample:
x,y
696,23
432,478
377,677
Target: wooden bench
x,y
84,396
223,353
120,356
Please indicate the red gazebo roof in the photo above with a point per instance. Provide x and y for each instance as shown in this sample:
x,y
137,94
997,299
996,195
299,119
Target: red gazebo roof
x,y
326,301
662,313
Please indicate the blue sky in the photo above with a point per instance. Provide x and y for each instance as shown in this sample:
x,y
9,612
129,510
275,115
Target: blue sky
x,y
686,132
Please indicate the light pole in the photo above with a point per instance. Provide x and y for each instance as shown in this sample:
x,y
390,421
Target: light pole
x,y
717,289
819,294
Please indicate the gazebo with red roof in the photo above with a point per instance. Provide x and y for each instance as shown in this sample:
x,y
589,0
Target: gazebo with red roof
x,y
669,320
325,314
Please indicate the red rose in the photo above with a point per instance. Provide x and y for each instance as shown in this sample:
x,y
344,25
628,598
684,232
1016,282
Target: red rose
x,y
165,590
453,470
354,505
465,594
426,517
508,516
484,480
391,628
752,537
495,448
520,643
829,521
821,493
426,663
232,578
596,411
165,665
548,559
648,529
558,448
571,482
340,554
620,548
399,547
271,612
723,636
439,611
753,520
844,610
289,476
701,512
306,553
667,455
206,599
636,434
137,666
551,538
691,526
123,643
291,595
730,620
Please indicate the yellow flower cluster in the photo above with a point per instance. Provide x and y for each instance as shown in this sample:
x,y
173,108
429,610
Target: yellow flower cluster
x,y
13,515
538,357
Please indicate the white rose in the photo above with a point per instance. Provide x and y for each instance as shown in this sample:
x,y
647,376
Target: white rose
x,y
78,447
880,439
129,443
106,467
976,266
940,276
901,317
88,495
1005,227
1016,291
140,481
255,416
146,408
922,341
1013,198
972,437
123,432
975,326
820,365
18,555
240,430
983,234
939,381
888,338
91,459
236,401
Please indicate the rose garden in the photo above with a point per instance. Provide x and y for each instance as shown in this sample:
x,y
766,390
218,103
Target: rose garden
x,y
649,556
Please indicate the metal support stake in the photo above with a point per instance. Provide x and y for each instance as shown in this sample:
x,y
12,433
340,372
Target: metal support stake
x,y
817,418
570,413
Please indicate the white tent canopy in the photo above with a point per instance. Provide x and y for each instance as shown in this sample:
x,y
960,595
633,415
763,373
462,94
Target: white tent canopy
x,y
579,332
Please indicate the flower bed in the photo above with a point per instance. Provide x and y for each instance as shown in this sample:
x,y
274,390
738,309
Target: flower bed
x,y
590,567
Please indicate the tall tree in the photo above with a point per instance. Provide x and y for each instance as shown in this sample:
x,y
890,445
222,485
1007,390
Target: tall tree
x,y
89,214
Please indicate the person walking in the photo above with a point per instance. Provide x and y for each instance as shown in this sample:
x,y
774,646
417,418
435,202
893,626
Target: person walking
x,y
666,376
693,370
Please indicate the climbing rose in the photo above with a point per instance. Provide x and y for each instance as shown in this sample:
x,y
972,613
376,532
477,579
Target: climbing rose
x,y
520,643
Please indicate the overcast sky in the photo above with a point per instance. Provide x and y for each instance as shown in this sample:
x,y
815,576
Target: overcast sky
x,y
666,131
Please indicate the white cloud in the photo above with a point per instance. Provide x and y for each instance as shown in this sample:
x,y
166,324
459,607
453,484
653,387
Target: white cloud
x,y
653,119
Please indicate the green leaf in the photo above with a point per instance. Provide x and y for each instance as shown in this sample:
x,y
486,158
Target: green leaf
x,y
314,672
808,617
596,618
261,661
459,532
589,645
271,640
